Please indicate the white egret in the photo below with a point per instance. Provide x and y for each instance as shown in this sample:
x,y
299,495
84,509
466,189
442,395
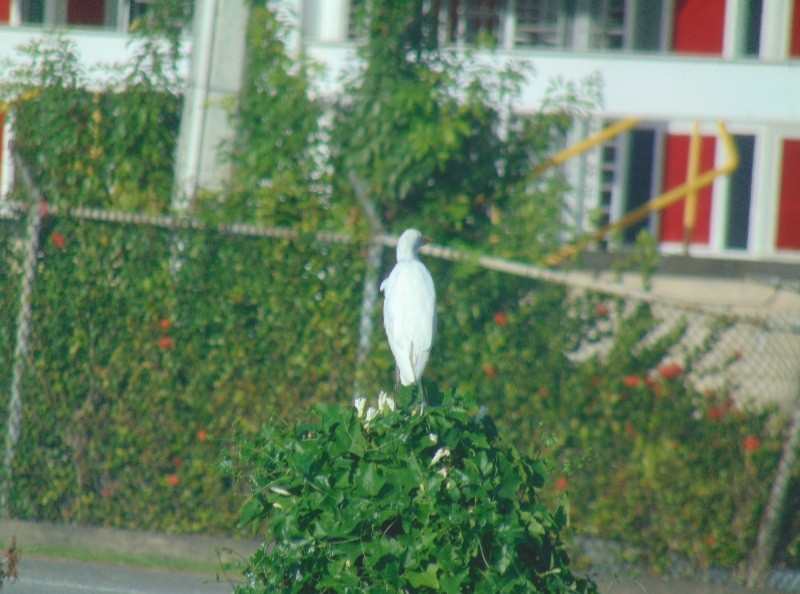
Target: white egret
x,y
409,309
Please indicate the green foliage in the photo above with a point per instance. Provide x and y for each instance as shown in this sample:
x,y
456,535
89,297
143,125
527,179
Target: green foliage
x,y
425,130
659,464
107,148
126,416
10,277
276,153
163,21
385,500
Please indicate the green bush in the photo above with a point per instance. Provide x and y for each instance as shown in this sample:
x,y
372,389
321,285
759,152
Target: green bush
x,y
381,499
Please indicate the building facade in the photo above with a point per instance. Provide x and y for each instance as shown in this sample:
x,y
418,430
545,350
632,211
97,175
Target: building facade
x,y
668,62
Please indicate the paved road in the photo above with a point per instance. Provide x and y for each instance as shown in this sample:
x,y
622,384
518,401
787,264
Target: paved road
x,y
38,575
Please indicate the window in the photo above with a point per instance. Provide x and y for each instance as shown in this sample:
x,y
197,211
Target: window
x,y
138,9
647,26
752,41
31,12
356,27
741,189
541,23
608,24
482,20
639,176
608,166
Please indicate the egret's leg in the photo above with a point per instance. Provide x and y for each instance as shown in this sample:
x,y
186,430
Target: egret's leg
x,y
423,394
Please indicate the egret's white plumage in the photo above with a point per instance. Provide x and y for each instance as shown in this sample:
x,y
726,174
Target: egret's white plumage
x,y
409,309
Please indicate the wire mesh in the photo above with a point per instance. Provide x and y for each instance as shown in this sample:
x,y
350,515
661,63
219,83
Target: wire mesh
x,y
107,301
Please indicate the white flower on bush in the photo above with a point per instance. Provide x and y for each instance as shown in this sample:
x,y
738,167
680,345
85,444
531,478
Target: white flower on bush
x,y
385,404
440,453
372,412
360,403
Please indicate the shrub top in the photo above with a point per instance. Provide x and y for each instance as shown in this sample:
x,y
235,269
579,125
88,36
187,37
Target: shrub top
x,y
391,499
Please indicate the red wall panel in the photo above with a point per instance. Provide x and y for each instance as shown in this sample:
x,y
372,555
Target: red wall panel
x,y
699,26
5,10
86,12
794,46
675,169
789,210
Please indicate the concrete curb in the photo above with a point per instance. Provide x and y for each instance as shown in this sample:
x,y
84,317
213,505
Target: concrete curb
x,y
203,553
153,549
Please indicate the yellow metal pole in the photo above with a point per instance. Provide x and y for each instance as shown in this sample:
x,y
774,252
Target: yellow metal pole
x,y
590,142
658,203
692,169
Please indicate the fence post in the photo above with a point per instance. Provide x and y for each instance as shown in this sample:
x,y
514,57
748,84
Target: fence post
x,y
370,299
773,513
21,347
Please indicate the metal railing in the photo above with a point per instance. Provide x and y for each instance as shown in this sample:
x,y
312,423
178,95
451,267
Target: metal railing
x,y
687,191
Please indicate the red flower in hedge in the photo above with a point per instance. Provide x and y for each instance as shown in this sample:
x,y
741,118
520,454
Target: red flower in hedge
x,y
500,319
106,493
601,310
165,323
177,462
716,413
173,480
562,483
670,371
751,444
166,343
632,381
491,371
630,429
58,240
202,436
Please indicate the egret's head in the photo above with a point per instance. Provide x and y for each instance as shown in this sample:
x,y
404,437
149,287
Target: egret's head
x,y
408,245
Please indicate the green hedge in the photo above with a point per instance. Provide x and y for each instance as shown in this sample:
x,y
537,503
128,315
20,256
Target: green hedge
x,y
146,360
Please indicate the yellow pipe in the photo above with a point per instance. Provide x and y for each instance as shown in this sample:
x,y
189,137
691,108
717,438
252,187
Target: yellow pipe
x,y
590,142
659,203
692,169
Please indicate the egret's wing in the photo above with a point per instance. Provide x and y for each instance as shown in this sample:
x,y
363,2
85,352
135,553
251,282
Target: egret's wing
x,y
420,311
409,315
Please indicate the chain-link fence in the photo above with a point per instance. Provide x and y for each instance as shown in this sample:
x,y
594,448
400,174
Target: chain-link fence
x,y
130,364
